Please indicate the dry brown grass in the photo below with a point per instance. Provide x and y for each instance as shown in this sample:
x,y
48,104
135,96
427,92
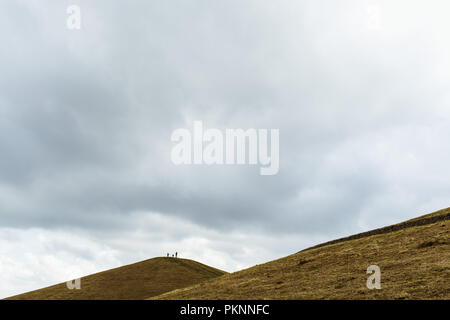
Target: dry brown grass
x,y
414,263
135,281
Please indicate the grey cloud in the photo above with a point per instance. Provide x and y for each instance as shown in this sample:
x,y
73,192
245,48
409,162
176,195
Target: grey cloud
x,y
86,116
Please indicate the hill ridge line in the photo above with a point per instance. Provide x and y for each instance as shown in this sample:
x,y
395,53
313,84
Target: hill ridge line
x,y
388,229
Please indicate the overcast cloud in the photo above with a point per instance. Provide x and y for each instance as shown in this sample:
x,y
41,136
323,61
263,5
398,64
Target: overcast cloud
x,y
86,180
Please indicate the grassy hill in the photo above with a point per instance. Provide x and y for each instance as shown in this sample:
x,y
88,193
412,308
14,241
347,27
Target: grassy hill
x,y
135,281
414,258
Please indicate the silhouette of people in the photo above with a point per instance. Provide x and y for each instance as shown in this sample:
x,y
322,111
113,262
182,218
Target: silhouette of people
x,y
174,255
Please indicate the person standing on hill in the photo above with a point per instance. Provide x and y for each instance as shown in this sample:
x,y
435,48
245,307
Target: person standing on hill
x,y
176,254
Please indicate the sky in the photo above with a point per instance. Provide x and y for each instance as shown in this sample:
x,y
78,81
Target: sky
x,y
359,91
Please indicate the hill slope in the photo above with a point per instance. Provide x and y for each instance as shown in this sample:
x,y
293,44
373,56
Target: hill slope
x,y
135,281
414,258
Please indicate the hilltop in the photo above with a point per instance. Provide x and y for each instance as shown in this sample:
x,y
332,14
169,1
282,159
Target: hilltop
x,y
135,281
